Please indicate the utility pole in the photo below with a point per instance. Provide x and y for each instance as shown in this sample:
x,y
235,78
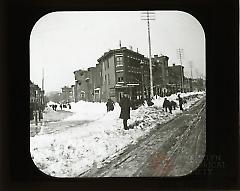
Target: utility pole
x,y
180,56
43,79
190,63
149,16
43,86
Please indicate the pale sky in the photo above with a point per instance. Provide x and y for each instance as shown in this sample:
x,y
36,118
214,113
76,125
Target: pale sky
x,y
62,42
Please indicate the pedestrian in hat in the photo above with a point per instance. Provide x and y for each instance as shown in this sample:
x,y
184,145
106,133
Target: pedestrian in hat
x,y
180,102
125,110
167,105
110,105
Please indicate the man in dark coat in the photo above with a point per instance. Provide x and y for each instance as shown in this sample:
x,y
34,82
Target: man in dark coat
x,y
167,105
125,110
180,102
110,105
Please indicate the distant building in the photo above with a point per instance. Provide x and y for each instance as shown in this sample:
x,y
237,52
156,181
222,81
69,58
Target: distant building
x,y
198,84
67,94
36,94
87,84
175,75
37,102
160,74
81,86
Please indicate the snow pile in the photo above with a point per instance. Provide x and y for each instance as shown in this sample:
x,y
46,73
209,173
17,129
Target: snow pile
x,y
86,110
76,150
49,115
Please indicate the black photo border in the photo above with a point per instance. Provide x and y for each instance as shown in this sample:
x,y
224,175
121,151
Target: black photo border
x,y
220,22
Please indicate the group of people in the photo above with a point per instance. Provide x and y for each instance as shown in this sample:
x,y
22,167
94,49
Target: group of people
x,y
65,106
125,105
125,109
54,107
171,105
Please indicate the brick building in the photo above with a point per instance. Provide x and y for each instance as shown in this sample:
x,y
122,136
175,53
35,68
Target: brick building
x,y
122,71
87,84
36,94
67,94
160,74
37,102
175,73
80,87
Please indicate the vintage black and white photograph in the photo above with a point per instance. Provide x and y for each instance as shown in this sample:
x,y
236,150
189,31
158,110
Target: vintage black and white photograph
x,y
117,94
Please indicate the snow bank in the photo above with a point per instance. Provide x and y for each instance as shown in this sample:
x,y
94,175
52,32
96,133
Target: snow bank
x,y
86,110
76,150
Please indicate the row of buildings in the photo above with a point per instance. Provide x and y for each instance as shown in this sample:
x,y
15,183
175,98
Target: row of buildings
x,y
124,70
37,102
36,94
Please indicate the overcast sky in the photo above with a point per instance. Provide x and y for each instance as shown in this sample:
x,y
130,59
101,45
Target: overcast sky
x,y
62,42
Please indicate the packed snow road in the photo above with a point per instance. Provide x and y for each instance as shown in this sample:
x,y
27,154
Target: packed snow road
x,y
172,149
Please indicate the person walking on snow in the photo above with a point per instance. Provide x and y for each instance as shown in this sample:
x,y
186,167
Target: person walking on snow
x,y
125,110
180,102
167,105
110,105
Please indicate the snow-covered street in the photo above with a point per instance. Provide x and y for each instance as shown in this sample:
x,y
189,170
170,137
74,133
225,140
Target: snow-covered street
x,y
74,141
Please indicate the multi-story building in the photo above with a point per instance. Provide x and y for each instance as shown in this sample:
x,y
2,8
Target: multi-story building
x,y
175,77
87,84
81,85
36,94
160,74
97,79
122,71
37,102
67,94
198,84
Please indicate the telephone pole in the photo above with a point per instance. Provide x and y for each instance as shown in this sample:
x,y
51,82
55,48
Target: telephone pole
x,y
149,16
43,86
190,63
180,56
42,79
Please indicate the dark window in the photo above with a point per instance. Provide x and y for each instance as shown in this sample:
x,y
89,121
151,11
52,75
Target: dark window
x,y
120,79
108,79
108,63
